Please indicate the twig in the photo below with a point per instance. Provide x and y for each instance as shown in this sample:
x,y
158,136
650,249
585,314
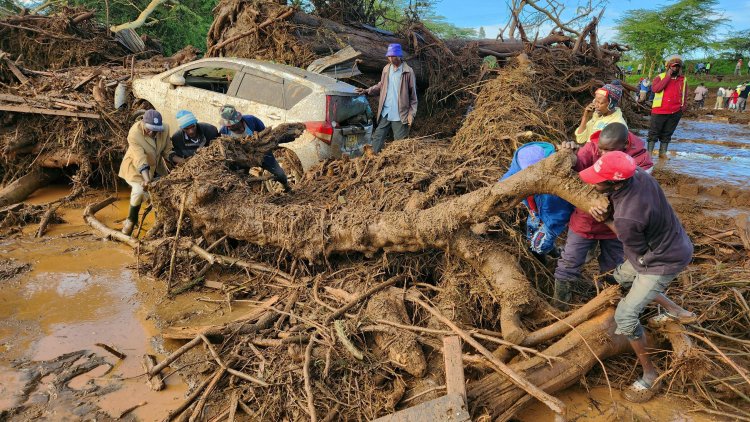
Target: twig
x,y
130,409
189,400
264,24
202,402
176,240
177,353
378,287
308,381
350,347
112,350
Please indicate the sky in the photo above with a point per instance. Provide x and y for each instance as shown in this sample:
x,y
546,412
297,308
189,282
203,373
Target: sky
x,y
493,14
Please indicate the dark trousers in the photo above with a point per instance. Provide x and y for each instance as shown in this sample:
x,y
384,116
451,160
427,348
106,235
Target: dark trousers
x,y
662,127
574,256
272,166
400,131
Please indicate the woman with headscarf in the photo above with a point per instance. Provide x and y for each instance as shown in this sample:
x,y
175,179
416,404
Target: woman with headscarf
x,y
602,111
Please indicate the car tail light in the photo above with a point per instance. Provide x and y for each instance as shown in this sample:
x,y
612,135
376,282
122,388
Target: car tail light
x,y
322,130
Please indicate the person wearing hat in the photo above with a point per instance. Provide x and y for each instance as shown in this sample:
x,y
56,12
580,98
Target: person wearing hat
x,y
742,96
148,148
192,135
602,111
585,232
397,105
656,247
236,125
548,214
670,89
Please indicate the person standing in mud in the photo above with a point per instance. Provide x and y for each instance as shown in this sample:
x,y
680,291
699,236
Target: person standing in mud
x,y
192,135
656,247
742,97
719,99
548,214
397,105
237,125
584,231
602,111
148,148
670,89
700,95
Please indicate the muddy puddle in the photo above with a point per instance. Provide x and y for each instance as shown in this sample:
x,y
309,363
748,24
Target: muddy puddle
x,y
80,291
716,151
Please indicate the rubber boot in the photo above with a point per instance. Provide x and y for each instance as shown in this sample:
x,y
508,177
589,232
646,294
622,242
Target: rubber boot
x,y
663,146
131,221
562,295
651,146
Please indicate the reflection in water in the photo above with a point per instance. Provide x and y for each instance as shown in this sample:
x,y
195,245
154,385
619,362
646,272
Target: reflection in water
x,y
718,152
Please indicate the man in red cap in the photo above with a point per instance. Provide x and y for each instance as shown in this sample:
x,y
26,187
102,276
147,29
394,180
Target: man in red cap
x,y
584,232
656,250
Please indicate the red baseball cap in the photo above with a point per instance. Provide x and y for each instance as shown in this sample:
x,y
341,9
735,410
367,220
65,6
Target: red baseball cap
x,y
613,166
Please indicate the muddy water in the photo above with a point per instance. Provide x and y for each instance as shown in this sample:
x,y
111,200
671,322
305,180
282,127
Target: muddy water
x,y
716,151
80,291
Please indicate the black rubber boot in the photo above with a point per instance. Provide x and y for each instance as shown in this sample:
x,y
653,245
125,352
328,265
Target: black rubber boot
x,y
562,295
663,146
651,146
131,221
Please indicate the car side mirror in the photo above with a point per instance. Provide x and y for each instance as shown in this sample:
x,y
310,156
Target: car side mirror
x,y
176,80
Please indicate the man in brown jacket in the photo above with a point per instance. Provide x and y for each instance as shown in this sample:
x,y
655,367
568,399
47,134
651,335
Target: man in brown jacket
x,y
148,143
398,98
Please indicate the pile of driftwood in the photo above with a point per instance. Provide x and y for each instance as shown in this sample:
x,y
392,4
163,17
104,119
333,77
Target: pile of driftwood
x,y
360,273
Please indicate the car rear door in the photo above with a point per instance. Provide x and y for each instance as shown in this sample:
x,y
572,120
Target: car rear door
x,y
262,95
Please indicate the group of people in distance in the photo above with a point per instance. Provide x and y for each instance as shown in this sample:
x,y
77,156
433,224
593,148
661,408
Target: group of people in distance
x,y
642,244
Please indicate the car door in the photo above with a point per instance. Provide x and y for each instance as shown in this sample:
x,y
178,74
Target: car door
x,y
208,86
262,95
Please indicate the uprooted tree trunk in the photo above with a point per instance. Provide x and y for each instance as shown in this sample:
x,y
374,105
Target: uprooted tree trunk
x,y
25,185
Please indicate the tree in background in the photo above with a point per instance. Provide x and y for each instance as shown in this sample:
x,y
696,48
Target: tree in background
x,y
482,34
674,29
738,45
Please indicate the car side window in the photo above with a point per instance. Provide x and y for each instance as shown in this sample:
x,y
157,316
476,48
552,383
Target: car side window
x,y
262,89
294,93
211,78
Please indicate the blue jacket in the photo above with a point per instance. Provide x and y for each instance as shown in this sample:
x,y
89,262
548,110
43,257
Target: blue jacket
x,y
548,215
251,121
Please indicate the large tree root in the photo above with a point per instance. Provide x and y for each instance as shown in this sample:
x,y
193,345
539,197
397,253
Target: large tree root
x,y
26,185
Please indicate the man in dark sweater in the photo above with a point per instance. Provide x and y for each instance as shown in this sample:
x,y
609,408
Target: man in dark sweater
x,y
191,135
656,249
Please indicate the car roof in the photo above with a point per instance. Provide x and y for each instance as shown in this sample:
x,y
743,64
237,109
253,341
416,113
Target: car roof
x,y
330,85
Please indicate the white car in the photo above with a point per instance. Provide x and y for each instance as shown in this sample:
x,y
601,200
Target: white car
x,y
338,120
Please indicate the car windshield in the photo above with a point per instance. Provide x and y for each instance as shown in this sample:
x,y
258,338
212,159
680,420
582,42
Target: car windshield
x,y
349,109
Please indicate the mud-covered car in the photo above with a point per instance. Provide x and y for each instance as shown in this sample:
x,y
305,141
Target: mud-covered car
x,y
338,121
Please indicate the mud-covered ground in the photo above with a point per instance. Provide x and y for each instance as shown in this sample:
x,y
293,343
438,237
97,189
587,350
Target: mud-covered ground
x,y
68,291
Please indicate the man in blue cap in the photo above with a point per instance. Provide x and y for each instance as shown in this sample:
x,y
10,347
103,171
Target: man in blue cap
x,y
548,214
237,125
148,149
192,135
398,98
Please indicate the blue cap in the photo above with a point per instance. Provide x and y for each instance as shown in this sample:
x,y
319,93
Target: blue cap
x,y
152,121
529,155
185,119
394,50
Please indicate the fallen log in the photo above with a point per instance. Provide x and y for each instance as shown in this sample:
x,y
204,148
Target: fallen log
x,y
48,111
24,186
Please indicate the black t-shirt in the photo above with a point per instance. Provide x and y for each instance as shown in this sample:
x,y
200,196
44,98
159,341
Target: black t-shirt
x,y
744,92
185,147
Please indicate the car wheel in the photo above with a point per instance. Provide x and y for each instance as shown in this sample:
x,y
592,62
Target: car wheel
x,y
292,167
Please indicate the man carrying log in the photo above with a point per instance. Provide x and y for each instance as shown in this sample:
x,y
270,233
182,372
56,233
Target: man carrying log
x,y
192,135
237,125
148,148
398,98
584,231
602,111
656,247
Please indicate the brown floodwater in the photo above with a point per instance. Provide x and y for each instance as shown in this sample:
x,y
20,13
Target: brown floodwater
x,y
80,291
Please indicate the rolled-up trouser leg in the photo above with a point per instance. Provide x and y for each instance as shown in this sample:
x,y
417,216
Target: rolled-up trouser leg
x,y
573,257
378,137
642,288
137,194
271,165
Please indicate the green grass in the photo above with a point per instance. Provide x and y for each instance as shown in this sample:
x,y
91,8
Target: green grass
x,y
711,81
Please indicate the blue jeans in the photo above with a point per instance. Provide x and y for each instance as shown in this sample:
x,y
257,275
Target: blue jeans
x,y
272,166
574,256
642,288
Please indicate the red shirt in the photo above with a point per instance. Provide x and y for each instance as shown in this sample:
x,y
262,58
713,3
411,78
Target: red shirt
x,y
673,100
581,222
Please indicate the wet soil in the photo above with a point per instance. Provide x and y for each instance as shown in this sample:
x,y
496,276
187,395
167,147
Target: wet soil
x,y
80,291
